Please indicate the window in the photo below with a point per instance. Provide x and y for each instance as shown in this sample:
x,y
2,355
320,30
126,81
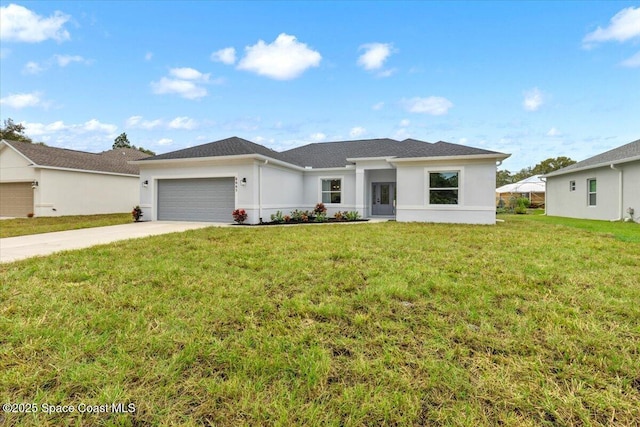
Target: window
x,y
443,188
331,191
572,186
591,192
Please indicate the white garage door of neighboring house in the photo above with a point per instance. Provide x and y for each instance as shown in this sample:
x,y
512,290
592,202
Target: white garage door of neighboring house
x,y
16,199
199,199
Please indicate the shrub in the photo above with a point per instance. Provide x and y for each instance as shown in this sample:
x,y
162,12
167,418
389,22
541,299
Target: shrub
x,y
321,217
136,213
239,215
297,215
320,209
338,216
522,205
352,215
277,217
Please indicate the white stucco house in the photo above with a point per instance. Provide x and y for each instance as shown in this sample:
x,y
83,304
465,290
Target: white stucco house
x,y
604,186
48,181
406,180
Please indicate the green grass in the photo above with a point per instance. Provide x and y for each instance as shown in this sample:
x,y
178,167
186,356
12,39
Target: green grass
x,y
25,226
625,231
522,323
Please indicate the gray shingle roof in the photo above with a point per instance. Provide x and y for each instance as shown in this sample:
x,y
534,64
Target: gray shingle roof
x,y
616,155
113,161
328,154
233,146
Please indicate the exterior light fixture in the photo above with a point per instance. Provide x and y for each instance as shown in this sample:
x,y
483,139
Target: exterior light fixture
x,y
244,181
34,184
145,183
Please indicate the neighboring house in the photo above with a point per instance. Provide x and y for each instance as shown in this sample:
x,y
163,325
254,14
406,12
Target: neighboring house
x,y
601,187
47,181
532,188
407,180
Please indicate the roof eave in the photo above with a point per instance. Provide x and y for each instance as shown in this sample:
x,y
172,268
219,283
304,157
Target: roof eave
x,y
595,166
496,156
85,171
255,156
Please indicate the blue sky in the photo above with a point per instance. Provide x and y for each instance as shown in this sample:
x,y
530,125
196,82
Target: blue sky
x,y
534,79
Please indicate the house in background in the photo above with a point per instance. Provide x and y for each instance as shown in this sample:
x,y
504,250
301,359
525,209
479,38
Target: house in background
x,y
406,180
532,188
47,181
603,187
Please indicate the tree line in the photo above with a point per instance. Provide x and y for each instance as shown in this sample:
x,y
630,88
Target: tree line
x,y
504,177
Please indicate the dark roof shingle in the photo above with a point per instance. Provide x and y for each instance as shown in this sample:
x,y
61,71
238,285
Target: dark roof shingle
x,y
327,154
112,161
616,155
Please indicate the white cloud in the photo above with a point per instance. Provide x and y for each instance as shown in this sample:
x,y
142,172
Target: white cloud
x,y
226,56
185,82
377,106
64,60
182,123
17,23
357,131
624,25
318,136
553,132
374,56
434,105
187,73
632,62
284,59
165,141
32,67
91,126
148,56
137,122
533,99
22,100
133,121
404,123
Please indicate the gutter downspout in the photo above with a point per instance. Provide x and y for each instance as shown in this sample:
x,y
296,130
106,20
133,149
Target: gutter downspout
x,y
620,206
544,179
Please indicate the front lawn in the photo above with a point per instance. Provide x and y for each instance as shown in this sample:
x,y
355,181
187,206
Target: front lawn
x,y
522,323
25,226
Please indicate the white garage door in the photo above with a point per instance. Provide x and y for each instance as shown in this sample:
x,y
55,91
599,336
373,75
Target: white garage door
x,y
201,199
16,199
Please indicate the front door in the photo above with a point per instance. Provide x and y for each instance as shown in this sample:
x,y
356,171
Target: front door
x,y
383,198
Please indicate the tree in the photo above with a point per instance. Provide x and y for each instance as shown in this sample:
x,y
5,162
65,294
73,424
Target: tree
x,y
13,132
121,141
503,177
552,164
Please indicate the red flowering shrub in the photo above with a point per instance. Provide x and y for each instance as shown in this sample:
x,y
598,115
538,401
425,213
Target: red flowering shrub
x,y
239,215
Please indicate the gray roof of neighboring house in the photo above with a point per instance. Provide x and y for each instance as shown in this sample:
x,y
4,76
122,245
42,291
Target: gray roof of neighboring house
x,y
617,155
112,161
328,154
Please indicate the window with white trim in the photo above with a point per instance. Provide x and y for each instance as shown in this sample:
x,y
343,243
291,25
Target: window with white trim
x,y
591,192
331,191
443,188
572,186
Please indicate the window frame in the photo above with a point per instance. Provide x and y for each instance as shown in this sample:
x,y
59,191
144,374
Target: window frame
x,y
322,192
593,193
457,170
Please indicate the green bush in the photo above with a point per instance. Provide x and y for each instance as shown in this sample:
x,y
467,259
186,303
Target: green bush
x,y
278,217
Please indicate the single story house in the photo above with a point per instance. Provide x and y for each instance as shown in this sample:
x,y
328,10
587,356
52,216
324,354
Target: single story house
x,y
532,188
406,180
48,181
606,186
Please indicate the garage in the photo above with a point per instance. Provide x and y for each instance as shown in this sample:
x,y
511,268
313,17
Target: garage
x,y
16,199
198,199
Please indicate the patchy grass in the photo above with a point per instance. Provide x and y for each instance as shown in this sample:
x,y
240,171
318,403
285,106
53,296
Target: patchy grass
x,y
523,323
25,226
625,231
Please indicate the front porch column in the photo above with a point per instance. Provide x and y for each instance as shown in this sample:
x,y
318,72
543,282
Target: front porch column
x,y
360,192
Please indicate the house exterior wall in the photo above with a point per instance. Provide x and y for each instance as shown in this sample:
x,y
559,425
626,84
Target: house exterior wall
x,y
476,193
561,201
312,190
80,193
62,192
282,190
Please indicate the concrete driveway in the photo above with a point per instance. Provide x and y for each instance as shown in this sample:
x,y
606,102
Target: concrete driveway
x,y
17,248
